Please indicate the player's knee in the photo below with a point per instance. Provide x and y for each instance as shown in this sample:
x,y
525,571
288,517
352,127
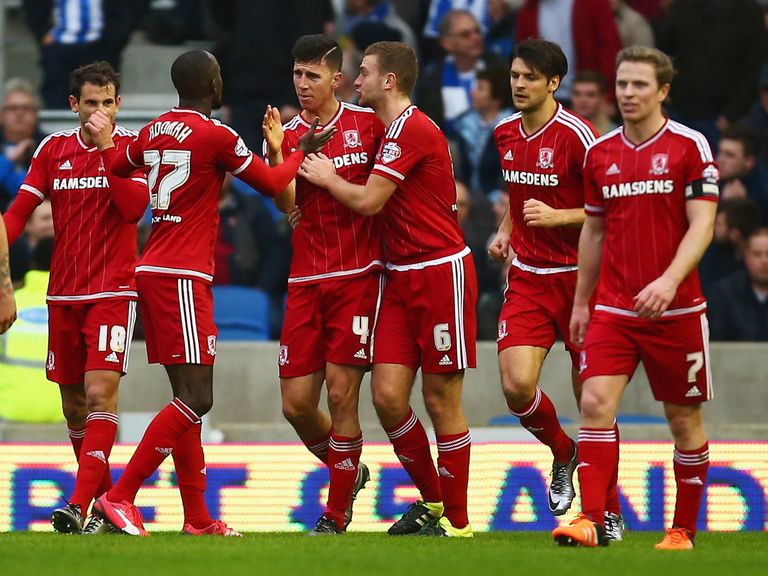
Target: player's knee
x,y
296,410
592,405
684,423
341,399
388,405
101,400
75,413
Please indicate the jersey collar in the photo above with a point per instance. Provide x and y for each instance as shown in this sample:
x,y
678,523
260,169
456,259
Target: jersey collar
x,y
647,142
333,120
540,131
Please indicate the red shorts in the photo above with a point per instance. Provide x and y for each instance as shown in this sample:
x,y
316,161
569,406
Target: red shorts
x,y
89,336
178,320
428,317
537,309
329,322
674,351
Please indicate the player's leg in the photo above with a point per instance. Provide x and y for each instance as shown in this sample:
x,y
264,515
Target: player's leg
x,y
302,368
346,444
676,358
442,398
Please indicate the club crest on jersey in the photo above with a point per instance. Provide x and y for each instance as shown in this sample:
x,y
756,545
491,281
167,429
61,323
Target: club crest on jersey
x,y
659,164
390,152
546,156
351,138
212,345
283,358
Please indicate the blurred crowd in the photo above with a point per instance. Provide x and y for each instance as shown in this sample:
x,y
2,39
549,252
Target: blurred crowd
x,y
721,89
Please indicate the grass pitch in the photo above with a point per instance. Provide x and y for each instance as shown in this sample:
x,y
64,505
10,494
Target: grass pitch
x,y
265,554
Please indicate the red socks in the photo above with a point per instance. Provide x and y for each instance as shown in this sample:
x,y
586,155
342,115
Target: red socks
x,y
540,419
690,468
94,447
612,503
319,447
162,436
411,446
189,460
343,459
598,459
453,469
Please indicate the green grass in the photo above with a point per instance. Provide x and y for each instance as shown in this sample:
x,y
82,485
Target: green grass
x,y
264,554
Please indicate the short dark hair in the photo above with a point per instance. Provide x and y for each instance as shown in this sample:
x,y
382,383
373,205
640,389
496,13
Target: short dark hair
x,y
591,77
99,73
543,56
742,214
399,59
192,74
759,231
498,78
746,135
318,48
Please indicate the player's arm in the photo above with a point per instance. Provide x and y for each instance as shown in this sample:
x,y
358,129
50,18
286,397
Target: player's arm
x,y
130,195
590,258
499,246
7,301
654,299
538,214
272,181
366,200
273,150
18,213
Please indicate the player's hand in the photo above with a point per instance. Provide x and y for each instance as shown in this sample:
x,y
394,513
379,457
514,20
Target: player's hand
x,y
7,308
100,128
272,128
312,141
537,214
499,246
318,169
653,300
578,323
294,217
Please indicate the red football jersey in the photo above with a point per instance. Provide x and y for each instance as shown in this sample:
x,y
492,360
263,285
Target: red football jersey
x,y
545,166
95,249
641,191
420,218
332,240
187,155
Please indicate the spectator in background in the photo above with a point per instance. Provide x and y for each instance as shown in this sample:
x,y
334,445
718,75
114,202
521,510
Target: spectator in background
x,y
737,305
757,117
39,227
588,100
736,220
500,37
256,56
705,35
72,33
741,175
634,29
479,164
431,34
378,11
585,29
444,92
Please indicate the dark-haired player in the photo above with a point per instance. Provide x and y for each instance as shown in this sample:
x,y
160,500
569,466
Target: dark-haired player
x,y
335,282
650,196
92,293
542,149
185,154
427,317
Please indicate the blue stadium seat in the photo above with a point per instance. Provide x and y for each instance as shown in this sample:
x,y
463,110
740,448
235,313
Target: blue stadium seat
x,y
241,313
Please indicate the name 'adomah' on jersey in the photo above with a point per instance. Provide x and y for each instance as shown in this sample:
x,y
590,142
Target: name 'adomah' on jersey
x,y
95,249
546,166
420,217
641,192
186,155
333,240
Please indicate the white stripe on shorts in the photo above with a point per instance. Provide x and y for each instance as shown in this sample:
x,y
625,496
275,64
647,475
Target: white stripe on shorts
x,y
130,325
457,267
382,283
705,348
188,323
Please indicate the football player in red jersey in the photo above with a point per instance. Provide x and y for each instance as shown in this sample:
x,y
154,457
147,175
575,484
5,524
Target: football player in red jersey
x,y
650,198
185,154
542,150
335,282
91,293
427,318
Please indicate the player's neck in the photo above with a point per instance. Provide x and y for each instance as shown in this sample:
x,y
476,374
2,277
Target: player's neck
x,y
326,112
533,120
639,132
392,107
202,106
86,136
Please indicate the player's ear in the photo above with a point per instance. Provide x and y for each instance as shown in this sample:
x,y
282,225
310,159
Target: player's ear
x,y
74,105
336,79
554,83
118,101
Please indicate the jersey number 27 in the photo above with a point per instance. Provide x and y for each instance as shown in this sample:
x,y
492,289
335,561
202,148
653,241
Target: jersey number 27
x,y
160,192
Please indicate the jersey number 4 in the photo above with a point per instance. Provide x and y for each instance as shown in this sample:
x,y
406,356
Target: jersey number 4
x,y
160,193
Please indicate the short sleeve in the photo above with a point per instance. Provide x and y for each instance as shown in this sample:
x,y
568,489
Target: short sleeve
x,y
594,204
398,154
232,153
702,175
36,180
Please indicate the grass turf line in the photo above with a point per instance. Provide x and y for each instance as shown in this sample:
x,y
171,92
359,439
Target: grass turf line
x,y
265,554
